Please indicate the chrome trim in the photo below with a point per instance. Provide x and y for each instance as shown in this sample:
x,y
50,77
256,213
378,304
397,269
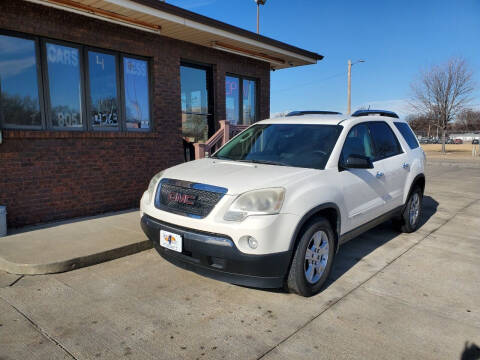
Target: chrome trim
x,y
188,185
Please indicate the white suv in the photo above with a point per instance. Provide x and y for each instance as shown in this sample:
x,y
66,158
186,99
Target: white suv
x,y
273,205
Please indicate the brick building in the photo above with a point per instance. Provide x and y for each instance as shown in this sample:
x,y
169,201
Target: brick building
x,y
97,96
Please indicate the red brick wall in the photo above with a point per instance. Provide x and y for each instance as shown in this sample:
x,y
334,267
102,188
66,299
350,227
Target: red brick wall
x,y
46,175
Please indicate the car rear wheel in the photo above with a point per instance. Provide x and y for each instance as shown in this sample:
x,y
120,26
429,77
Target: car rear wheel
x,y
313,258
409,221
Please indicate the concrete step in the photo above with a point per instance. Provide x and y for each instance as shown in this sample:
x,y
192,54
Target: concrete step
x,y
68,245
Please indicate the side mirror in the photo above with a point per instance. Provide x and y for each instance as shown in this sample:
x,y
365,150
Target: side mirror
x,y
355,161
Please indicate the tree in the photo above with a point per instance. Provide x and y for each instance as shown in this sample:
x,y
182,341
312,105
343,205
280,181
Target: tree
x,y
443,92
468,120
420,123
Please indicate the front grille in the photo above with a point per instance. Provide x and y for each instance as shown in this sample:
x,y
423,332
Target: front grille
x,y
189,199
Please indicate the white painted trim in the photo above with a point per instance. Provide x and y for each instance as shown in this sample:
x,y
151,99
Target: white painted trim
x,y
95,16
209,29
238,52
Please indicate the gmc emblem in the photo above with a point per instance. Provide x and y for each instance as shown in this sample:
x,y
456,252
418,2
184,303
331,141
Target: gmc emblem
x,y
181,198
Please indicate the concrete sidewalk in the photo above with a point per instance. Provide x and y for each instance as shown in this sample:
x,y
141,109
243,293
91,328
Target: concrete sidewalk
x,y
72,244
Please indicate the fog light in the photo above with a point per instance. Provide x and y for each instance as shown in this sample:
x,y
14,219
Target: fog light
x,y
252,242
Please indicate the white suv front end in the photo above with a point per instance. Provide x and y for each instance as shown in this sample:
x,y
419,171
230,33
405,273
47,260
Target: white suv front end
x,y
273,205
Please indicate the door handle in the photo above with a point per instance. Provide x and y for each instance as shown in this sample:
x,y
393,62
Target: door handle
x,y
379,174
405,165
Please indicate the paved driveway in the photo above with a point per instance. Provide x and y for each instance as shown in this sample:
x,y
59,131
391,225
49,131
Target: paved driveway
x,y
391,295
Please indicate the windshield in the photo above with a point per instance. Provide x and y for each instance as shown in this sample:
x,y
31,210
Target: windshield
x,y
298,145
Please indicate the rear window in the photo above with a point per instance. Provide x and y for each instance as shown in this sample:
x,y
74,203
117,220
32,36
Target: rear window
x,y
407,134
384,140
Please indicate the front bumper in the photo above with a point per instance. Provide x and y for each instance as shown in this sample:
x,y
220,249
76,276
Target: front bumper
x,y
216,256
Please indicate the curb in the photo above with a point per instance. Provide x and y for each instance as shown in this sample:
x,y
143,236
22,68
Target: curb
x,y
472,164
75,263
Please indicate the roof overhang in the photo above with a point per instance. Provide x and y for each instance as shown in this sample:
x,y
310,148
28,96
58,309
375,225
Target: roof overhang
x,y
158,17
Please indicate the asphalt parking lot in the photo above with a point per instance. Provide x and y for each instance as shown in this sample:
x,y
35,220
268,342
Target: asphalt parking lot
x,y
395,296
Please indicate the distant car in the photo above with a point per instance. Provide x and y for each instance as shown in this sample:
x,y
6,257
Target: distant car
x,y
450,141
475,141
458,141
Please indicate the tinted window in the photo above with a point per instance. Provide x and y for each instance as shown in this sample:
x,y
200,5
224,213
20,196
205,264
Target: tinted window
x,y
63,64
232,99
102,70
384,140
407,134
195,101
19,100
137,99
358,142
306,146
249,101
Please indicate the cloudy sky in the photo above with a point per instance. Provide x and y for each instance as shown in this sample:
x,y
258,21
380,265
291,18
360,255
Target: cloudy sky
x,y
397,39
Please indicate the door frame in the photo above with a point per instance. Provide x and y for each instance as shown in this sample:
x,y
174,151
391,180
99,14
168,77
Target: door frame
x,y
210,90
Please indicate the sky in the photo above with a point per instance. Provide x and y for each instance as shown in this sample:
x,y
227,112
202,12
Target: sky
x,y
397,40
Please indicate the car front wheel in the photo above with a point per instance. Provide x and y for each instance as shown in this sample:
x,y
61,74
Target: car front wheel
x,y
313,258
412,213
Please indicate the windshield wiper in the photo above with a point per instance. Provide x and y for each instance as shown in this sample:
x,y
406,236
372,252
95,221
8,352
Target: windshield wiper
x,y
267,162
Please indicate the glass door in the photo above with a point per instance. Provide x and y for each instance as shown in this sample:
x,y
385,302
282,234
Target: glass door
x,y
197,109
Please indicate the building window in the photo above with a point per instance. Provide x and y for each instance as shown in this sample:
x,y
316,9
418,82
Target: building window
x,y
240,100
249,101
103,90
197,117
65,86
50,93
19,94
136,93
232,100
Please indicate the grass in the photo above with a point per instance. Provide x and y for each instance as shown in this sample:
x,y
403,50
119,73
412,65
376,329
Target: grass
x,y
453,151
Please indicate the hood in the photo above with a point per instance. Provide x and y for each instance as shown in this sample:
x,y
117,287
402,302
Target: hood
x,y
237,177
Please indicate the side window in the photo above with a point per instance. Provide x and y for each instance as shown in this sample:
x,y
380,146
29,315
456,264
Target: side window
x,y
407,134
358,142
19,95
103,90
384,140
64,76
136,93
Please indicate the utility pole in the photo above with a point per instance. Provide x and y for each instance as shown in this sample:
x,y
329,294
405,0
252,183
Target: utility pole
x,y
349,89
349,85
259,2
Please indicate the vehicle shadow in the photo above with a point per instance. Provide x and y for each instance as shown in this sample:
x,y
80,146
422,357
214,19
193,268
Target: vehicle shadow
x,y
470,352
358,248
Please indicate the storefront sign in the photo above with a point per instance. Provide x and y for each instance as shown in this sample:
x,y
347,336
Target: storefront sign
x,y
62,55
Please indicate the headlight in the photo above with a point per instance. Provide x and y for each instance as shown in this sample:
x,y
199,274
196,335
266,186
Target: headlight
x,y
257,202
153,186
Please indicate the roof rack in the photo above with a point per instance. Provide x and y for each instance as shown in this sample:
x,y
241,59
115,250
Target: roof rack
x,y
375,112
313,112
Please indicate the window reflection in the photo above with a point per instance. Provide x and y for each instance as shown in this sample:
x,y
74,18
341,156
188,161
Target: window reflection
x,y
103,90
19,100
249,101
136,93
64,84
194,97
232,93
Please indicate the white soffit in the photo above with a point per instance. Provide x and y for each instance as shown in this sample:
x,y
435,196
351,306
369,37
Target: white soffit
x,y
136,15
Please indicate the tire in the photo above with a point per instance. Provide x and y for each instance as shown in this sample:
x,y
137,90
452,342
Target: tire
x,y
306,277
409,220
